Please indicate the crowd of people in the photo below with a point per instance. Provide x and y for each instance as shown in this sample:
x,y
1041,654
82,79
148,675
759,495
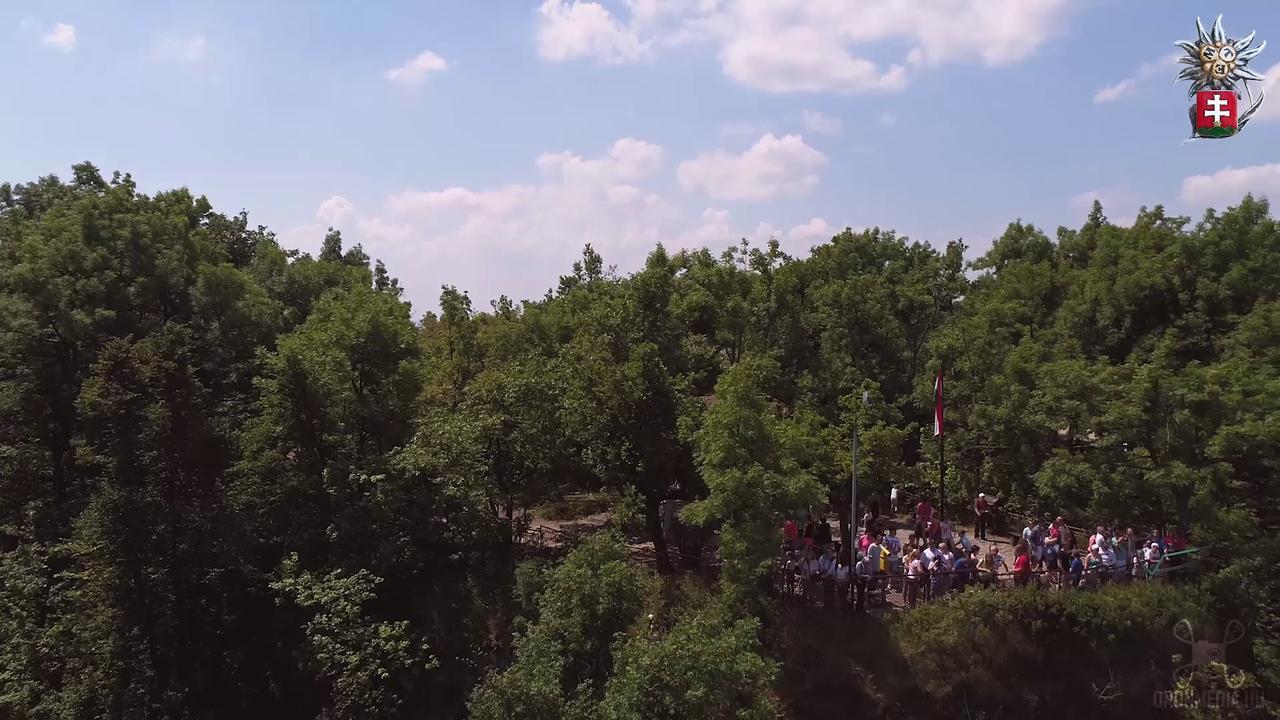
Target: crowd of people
x,y
937,558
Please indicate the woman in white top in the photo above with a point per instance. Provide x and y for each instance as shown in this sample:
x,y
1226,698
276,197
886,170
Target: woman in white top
x,y
915,570
842,585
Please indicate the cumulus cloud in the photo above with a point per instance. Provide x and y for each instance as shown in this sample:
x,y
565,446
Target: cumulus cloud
x,y
628,159
715,228
61,37
803,59
1145,71
815,121
1229,185
518,238
773,167
814,231
575,29
802,45
1270,110
182,49
335,211
417,68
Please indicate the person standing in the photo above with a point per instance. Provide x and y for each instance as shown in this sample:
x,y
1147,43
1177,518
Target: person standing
x,y
938,572
891,541
789,570
875,557
948,567
1053,546
1033,536
915,571
1098,538
1132,549
1152,559
924,514
982,514
1021,565
990,566
1076,569
860,576
1066,544
961,571
827,568
790,534
928,558
893,499
809,575
822,533
1092,567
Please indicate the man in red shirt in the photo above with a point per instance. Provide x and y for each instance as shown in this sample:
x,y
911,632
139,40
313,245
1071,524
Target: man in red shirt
x,y
789,533
1021,567
924,513
981,509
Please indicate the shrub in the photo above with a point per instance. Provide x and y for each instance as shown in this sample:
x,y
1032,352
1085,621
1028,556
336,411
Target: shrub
x,y
1044,651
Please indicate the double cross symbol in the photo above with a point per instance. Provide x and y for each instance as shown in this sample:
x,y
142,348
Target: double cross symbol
x,y
1218,110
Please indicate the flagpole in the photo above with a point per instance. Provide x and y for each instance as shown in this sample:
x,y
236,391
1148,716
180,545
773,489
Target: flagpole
x,y
942,450
942,474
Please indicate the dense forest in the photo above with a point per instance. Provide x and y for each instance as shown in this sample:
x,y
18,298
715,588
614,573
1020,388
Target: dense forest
x,y
237,480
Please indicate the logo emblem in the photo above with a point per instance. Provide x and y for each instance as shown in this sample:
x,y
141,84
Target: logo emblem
x,y
1204,652
1215,113
1218,71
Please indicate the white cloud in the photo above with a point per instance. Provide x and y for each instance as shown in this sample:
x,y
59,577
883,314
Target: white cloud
x,y
62,37
576,29
807,45
815,121
416,69
182,49
888,119
714,229
1119,203
816,230
1229,185
771,168
1270,110
803,59
629,159
335,211
518,238
1145,71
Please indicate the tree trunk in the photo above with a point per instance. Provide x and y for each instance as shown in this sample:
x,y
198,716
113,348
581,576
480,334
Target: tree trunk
x,y
653,520
1182,499
842,506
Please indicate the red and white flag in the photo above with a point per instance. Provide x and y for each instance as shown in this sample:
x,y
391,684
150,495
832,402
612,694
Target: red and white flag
x,y
937,405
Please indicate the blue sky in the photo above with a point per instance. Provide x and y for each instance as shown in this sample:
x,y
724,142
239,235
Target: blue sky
x,y
482,144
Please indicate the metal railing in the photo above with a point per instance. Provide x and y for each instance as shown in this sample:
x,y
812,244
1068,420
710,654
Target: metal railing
x,y
897,590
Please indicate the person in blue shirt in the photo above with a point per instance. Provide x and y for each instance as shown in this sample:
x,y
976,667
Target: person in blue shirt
x,y
961,571
1077,569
